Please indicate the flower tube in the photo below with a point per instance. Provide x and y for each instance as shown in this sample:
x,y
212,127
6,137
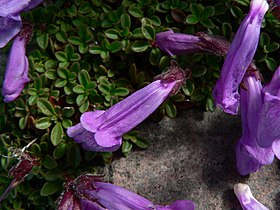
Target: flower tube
x,y
89,192
239,57
102,130
246,199
249,155
16,74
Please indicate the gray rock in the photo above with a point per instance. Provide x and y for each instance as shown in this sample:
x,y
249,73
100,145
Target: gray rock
x,y
192,157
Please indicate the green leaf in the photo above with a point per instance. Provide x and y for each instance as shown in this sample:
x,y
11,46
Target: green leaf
x,y
60,83
112,33
59,151
139,46
43,40
264,39
74,40
142,143
155,56
208,11
43,123
198,71
210,104
271,63
196,10
84,107
83,78
120,91
61,56
191,19
49,188
272,47
207,23
52,29
79,89
148,32
49,162
135,11
63,73
46,107
115,47
57,134
126,147
125,21
104,88
51,74
197,95
188,88
72,10
171,110
236,12
61,36
81,99
73,156
68,111
227,29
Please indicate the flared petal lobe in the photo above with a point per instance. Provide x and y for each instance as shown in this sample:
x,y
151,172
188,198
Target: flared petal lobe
x,y
246,199
176,43
16,74
239,57
269,120
249,155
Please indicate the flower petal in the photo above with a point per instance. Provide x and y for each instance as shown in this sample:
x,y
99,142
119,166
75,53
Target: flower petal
x,y
16,74
239,57
10,7
246,199
178,205
32,4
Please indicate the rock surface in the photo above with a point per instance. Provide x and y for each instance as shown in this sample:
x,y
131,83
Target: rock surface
x,y
192,157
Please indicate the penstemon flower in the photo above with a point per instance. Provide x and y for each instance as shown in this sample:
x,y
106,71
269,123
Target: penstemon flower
x,y
16,74
88,192
246,199
102,130
10,21
239,57
249,155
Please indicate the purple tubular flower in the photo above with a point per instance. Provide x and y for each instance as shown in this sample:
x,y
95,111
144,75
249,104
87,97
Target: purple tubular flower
x,y
103,130
239,57
92,194
10,21
249,156
176,43
16,74
246,199
269,120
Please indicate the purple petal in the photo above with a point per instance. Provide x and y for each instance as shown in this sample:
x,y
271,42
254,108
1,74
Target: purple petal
x,y
273,88
9,27
115,198
178,205
33,4
89,205
16,74
69,202
10,7
239,57
176,43
246,199
276,148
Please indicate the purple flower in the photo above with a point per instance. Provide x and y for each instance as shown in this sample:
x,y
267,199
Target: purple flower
x,y
239,57
249,156
176,44
10,21
268,132
16,74
103,130
88,192
246,199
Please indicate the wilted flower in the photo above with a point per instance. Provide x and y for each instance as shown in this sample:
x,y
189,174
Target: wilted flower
x,y
249,156
10,21
246,199
88,192
20,171
268,132
16,74
239,57
102,130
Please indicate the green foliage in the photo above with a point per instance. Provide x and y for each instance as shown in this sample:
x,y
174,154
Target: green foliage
x,y
90,55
